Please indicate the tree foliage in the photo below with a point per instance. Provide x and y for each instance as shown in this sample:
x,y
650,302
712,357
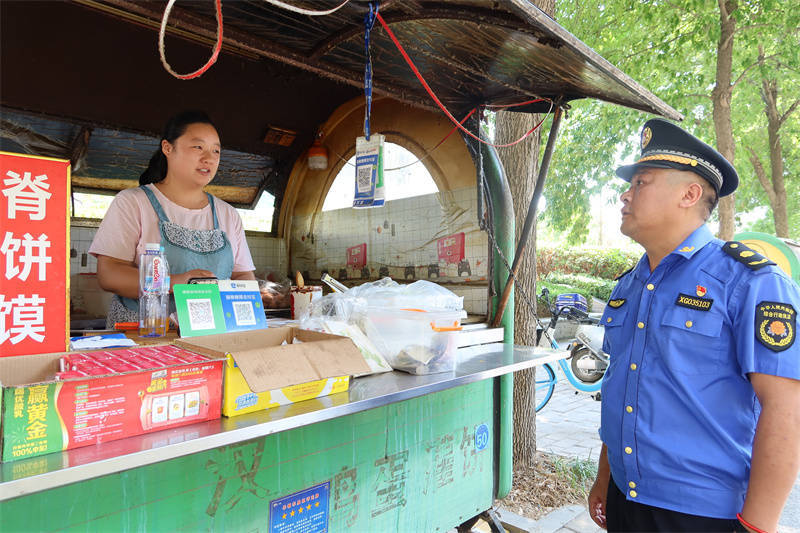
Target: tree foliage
x,y
670,47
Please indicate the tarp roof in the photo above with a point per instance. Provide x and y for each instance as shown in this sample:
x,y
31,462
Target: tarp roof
x,y
94,63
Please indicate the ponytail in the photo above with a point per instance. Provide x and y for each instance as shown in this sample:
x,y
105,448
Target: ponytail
x,y
156,170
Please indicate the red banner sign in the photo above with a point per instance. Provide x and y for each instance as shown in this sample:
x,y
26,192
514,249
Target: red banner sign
x,y
34,243
357,256
451,248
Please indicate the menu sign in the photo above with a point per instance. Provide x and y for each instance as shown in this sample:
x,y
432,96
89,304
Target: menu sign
x,y
34,241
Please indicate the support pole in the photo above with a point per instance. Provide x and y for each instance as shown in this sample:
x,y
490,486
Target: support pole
x,y
530,218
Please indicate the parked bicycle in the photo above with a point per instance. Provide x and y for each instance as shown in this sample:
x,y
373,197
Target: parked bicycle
x,y
587,361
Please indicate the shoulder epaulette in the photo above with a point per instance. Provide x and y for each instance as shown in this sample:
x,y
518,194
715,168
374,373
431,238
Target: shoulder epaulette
x,y
748,257
623,274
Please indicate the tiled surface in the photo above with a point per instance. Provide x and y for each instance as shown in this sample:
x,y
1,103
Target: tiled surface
x,y
401,239
568,424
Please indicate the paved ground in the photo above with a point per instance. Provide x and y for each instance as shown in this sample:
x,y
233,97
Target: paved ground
x,y
567,426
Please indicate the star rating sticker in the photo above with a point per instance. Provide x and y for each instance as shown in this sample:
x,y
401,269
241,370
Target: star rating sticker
x,y
284,516
300,510
308,506
291,514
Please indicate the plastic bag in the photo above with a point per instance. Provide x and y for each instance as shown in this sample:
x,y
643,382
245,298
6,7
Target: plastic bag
x,y
421,294
275,295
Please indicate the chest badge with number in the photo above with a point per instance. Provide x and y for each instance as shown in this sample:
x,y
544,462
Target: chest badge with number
x,y
701,304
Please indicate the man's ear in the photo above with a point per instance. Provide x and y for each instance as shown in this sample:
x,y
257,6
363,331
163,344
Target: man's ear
x,y
692,193
166,147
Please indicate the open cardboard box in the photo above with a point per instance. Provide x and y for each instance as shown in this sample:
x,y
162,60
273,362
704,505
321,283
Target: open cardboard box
x,y
40,415
262,372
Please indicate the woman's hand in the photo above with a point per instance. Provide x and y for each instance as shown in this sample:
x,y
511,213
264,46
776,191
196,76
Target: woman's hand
x,y
184,277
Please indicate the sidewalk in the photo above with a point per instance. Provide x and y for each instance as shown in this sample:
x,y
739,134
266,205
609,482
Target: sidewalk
x,y
567,426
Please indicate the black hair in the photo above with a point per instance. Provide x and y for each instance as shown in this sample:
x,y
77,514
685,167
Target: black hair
x,y
176,126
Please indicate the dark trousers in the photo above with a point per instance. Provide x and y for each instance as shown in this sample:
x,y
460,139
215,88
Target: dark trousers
x,y
625,515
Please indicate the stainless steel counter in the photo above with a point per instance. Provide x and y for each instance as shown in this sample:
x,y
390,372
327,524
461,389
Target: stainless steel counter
x,y
53,470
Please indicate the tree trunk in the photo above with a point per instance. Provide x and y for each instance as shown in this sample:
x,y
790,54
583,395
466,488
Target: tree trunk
x,y
769,94
721,98
520,163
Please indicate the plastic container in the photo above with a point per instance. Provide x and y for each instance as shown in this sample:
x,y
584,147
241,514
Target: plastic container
x,y
415,341
153,292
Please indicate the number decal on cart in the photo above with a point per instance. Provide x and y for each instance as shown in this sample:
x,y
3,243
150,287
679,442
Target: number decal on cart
x,y
481,437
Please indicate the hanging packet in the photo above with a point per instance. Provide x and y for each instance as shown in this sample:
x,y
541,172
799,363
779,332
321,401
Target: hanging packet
x,y
369,172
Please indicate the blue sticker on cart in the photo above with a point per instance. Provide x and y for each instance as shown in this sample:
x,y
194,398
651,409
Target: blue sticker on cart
x,y
305,511
481,437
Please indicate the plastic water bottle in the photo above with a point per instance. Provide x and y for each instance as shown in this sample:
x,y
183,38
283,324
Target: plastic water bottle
x,y
153,292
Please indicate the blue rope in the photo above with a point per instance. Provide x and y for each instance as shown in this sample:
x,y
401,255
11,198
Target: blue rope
x,y
369,22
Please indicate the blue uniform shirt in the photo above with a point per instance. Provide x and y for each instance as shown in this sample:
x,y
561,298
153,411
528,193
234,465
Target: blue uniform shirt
x,y
679,413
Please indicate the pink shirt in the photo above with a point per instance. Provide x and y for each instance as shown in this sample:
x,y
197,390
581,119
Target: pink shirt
x,y
131,222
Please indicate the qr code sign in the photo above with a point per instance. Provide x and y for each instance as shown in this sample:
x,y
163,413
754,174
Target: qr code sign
x,y
243,313
201,314
364,178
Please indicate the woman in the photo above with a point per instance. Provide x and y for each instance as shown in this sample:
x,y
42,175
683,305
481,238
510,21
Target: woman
x,y
202,235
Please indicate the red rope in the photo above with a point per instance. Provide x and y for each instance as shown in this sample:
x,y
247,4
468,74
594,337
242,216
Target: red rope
x,y
217,47
439,103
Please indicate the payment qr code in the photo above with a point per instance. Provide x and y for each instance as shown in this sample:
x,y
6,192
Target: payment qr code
x,y
364,178
243,312
201,313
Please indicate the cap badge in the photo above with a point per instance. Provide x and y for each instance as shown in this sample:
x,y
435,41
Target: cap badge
x,y
647,135
701,291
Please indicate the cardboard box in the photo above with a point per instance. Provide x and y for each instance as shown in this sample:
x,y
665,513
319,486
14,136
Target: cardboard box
x,y
261,372
41,415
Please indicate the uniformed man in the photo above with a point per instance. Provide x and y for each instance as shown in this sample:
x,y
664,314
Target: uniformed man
x,y
701,401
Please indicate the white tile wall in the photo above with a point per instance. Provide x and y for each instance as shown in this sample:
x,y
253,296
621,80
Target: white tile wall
x,y
418,223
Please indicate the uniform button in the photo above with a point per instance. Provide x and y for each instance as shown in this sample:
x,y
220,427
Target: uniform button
x,y
640,325
629,409
631,484
632,493
689,323
628,450
650,286
633,366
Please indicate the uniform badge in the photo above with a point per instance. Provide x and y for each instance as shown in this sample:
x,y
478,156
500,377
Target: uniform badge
x,y
776,325
686,249
753,260
701,304
647,135
616,303
700,290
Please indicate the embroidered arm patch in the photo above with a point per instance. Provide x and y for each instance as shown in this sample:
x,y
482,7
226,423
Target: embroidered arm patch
x,y
776,325
748,257
616,303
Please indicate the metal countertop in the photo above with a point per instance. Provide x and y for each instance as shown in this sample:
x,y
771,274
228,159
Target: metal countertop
x,y
475,363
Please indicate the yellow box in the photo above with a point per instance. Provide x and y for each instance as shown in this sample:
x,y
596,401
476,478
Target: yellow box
x,y
278,366
239,399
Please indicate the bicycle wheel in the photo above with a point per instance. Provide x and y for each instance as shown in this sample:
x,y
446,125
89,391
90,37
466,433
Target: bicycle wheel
x,y
545,385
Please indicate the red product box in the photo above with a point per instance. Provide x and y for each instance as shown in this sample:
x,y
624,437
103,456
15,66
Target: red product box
x,y
41,414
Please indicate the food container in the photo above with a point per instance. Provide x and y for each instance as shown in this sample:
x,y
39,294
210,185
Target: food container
x,y
415,341
302,297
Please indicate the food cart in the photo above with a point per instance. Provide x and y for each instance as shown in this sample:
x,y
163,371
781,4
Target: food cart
x,y
396,452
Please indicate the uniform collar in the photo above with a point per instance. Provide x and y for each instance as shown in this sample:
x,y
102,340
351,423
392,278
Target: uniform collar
x,y
690,246
694,242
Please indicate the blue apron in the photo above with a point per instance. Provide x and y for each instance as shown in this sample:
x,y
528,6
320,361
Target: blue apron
x,y
186,249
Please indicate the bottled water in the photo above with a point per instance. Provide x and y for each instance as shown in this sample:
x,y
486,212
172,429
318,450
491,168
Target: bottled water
x,y
153,292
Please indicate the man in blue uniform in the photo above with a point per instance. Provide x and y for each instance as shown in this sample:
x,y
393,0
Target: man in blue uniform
x,y
701,401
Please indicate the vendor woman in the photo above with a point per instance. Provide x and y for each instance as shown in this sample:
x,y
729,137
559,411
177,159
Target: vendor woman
x,y
201,235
